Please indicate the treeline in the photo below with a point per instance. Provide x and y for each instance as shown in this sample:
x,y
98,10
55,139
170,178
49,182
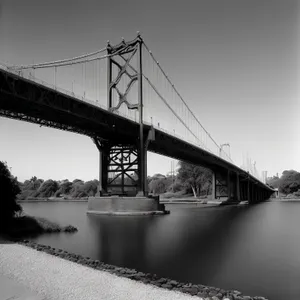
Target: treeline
x,y
288,184
189,179
38,188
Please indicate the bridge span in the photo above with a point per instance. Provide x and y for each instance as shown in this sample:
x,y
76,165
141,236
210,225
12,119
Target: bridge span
x,y
122,142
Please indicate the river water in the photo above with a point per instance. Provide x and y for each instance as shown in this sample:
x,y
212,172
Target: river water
x,y
254,249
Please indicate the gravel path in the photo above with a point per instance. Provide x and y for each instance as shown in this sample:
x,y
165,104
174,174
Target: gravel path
x,y
56,278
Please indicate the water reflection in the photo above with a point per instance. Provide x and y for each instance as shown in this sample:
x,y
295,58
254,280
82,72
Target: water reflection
x,y
121,240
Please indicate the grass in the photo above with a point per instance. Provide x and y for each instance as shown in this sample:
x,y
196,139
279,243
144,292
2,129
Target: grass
x,y
27,225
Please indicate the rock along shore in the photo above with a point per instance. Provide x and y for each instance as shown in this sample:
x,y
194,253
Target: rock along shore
x,y
204,292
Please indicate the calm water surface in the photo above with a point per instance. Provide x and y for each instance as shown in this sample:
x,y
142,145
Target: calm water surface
x,y
254,249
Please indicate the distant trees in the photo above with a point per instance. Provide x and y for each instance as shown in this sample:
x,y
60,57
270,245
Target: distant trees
x,y
64,189
81,189
47,188
50,188
189,179
9,189
158,185
288,183
196,178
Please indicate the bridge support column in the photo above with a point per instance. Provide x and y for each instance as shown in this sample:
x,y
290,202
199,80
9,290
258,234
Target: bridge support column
x,y
142,148
233,187
120,182
248,190
142,171
242,187
118,168
244,191
228,185
219,184
238,195
256,193
119,65
213,186
123,168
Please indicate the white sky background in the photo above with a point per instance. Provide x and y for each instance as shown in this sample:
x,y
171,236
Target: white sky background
x,y
235,62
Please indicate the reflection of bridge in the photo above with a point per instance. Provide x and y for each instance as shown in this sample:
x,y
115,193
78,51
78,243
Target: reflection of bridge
x,y
143,111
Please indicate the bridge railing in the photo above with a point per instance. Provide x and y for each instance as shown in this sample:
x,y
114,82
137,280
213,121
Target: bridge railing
x,y
29,76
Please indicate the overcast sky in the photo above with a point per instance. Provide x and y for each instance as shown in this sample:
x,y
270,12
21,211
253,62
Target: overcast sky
x,y
236,63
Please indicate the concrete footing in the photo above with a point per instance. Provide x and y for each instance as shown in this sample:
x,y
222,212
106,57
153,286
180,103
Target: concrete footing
x,y
230,201
115,205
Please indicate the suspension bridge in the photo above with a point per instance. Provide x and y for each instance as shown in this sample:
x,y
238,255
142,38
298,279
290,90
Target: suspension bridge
x,y
122,98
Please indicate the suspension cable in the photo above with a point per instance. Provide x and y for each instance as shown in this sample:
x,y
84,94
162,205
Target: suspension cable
x,y
168,105
58,65
178,117
59,61
63,64
159,66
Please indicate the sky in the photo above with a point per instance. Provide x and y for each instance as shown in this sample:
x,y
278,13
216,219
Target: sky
x,y
235,62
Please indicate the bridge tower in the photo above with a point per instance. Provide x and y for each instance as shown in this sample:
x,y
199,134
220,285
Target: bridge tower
x,y
123,166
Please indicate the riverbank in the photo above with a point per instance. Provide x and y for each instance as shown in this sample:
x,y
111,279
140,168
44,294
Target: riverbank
x,y
162,200
152,281
66,280
51,200
27,225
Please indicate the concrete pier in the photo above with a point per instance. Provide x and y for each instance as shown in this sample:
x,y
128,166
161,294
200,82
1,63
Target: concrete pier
x,y
115,205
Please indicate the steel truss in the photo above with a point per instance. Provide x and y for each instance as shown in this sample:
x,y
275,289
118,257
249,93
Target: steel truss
x,y
221,188
119,168
42,122
123,169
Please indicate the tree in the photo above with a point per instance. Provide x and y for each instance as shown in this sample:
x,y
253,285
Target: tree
x,y
64,189
76,188
158,186
9,189
274,181
289,182
47,189
91,187
195,177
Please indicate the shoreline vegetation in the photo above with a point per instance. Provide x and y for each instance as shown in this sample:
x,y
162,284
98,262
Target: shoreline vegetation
x,y
13,221
24,225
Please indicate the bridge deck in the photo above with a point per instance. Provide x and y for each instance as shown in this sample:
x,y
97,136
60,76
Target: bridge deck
x,y
29,101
